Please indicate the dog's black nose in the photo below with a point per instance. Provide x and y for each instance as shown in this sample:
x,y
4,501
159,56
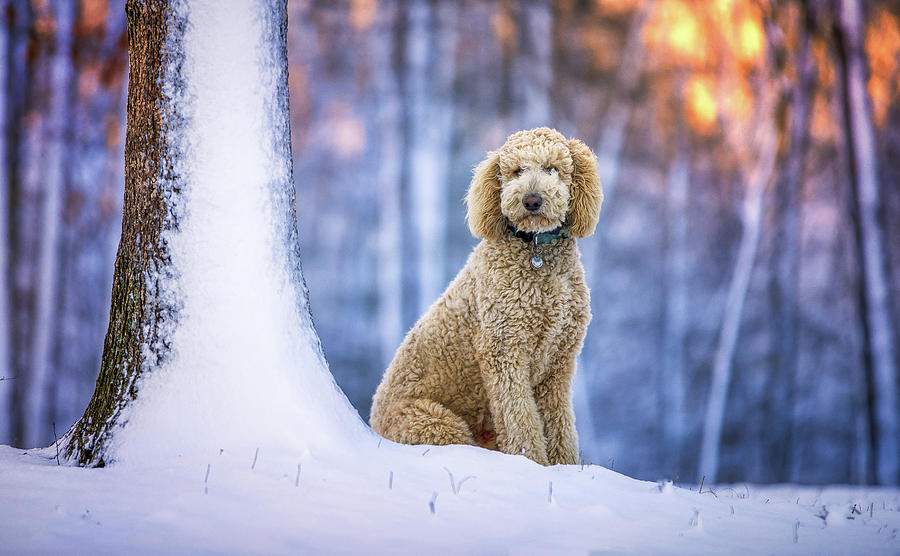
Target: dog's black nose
x,y
532,203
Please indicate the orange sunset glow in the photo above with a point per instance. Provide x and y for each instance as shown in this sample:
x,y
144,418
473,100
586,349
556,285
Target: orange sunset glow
x,y
720,43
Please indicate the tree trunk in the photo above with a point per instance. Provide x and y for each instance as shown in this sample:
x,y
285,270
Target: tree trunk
x,y
757,180
210,326
787,261
431,53
880,349
673,374
615,120
533,65
53,176
21,134
609,155
6,377
526,68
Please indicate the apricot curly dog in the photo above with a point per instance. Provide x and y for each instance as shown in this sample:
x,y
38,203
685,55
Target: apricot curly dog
x,y
491,363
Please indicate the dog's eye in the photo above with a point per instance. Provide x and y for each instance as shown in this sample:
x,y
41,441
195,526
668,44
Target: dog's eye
x,y
519,172
550,169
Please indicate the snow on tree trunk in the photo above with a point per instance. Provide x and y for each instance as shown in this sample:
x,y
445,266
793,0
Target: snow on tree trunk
x,y
210,344
759,175
6,376
389,179
880,352
52,168
431,52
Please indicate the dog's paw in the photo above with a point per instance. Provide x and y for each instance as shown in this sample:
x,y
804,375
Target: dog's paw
x,y
563,459
566,454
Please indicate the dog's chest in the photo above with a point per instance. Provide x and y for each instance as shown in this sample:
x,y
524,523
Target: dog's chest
x,y
552,310
543,309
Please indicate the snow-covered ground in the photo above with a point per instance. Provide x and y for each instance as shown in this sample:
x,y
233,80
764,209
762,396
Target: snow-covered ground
x,y
390,499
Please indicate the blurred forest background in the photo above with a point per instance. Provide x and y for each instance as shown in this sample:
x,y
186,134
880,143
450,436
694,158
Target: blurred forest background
x,y
745,274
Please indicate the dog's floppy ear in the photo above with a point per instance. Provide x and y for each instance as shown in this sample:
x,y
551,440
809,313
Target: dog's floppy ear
x,y
483,200
587,193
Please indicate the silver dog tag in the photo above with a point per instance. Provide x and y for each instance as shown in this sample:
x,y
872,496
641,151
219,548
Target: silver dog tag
x,y
537,262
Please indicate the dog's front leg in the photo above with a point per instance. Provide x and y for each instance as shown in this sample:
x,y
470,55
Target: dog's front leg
x,y
512,404
554,392
554,401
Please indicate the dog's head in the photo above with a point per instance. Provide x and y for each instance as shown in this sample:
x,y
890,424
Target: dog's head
x,y
537,181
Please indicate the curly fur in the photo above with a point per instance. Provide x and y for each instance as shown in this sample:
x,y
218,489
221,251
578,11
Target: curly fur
x,y
491,362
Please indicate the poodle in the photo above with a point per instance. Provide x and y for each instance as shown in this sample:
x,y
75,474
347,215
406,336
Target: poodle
x,y
492,360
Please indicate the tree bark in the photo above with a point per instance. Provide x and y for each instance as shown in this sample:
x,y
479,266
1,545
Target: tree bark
x,y
880,349
141,307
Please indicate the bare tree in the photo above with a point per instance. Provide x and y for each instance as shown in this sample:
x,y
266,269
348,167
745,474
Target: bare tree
x,y
673,372
27,59
385,42
525,32
615,120
880,351
609,161
5,355
532,67
53,175
431,58
786,247
760,167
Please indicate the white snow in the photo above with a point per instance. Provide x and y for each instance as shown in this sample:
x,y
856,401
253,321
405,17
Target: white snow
x,y
347,505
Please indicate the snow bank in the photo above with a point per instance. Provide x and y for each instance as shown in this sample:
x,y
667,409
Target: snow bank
x,y
393,499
